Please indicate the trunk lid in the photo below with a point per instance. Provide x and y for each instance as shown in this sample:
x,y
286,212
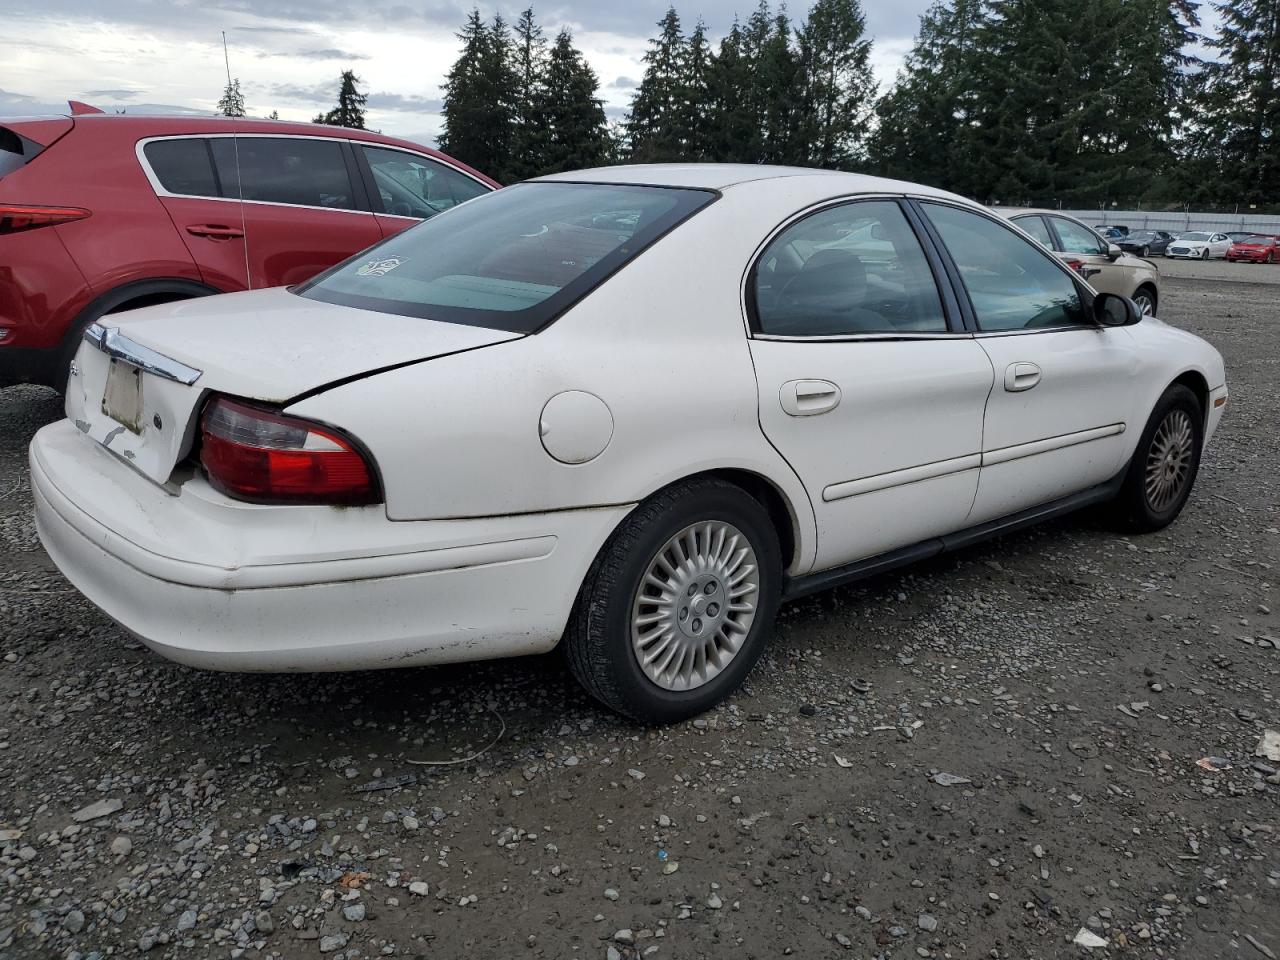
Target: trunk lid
x,y
140,377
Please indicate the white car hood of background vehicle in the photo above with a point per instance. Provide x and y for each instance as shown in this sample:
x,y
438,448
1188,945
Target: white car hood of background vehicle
x,y
273,345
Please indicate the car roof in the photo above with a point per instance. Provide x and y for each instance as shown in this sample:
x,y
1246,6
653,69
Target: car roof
x,y
721,176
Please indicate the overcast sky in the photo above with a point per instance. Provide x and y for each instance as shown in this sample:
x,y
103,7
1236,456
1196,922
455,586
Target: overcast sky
x,y
150,56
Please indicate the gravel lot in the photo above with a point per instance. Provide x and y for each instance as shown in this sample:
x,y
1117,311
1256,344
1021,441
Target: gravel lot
x,y
1073,678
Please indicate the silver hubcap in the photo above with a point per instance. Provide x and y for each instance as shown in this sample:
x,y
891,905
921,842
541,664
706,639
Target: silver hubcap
x,y
1144,304
695,605
1169,460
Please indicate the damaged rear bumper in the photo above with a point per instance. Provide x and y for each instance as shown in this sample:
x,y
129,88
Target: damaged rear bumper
x,y
218,584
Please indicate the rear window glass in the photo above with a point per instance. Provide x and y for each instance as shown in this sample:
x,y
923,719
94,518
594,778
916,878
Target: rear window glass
x,y
512,260
182,166
13,151
294,170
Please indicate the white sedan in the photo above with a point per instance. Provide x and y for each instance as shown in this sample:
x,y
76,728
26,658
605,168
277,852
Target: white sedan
x,y
626,410
1199,246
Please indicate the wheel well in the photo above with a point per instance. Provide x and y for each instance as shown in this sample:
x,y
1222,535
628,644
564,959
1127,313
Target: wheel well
x,y
784,521
1197,384
1155,294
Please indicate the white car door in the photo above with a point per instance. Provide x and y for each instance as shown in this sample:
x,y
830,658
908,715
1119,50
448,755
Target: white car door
x,y
1065,387
865,388
1219,243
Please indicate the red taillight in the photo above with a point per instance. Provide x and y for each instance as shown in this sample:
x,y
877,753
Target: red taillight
x,y
1074,264
15,217
265,457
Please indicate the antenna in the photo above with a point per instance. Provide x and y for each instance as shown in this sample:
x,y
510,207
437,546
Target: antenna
x,y
225,57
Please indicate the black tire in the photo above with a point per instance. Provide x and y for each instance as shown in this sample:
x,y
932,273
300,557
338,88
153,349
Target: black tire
x,y
1204,254
1133,508
598,639
1148,292
1146,252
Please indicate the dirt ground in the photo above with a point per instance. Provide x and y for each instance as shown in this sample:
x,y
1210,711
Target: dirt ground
x,y
1071,676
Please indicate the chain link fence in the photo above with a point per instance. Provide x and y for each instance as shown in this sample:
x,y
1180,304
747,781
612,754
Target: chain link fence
x,y
1224,220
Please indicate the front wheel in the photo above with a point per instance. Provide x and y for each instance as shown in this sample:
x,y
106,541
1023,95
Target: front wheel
x,y
1204,254
1144,299
678,605
1165,463
1146,252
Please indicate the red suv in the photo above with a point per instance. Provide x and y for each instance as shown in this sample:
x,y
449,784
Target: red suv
x,y
100,213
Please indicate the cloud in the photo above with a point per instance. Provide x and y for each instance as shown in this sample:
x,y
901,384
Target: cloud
x,y
111,94
329,53
399,101
623,83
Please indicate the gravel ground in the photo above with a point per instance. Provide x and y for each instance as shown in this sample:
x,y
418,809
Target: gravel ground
x,y
1071,677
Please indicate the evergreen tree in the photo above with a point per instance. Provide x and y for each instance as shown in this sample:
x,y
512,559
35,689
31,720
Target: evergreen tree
x,y
571,113
273,115
695,99
920,122
779,76
232,102
1235,146
478,99
350,109
838,90
732,131
529,66
655,125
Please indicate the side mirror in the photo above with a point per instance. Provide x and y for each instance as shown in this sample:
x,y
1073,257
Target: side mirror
x,y
1114,252
1113,310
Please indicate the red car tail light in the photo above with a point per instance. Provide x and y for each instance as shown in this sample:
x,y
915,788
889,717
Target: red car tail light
x,y
265,457
1074,264
15,217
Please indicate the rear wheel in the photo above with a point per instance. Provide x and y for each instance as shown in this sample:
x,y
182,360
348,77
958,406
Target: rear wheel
x,y
1165,463
677,607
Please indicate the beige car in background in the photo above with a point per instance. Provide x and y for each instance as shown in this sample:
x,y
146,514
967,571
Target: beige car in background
x,y
1106,267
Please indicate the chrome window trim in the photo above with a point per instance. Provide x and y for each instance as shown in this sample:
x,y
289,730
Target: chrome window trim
x,y
160,191
858,337
115,344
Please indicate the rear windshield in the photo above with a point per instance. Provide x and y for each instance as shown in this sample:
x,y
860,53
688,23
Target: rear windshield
x,y
510,260
15,151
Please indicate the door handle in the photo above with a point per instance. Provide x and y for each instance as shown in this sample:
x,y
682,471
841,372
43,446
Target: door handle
x,y
214,231
808,398
1021,376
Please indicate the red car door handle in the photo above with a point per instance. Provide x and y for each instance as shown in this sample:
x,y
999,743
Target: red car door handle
x,y
214,231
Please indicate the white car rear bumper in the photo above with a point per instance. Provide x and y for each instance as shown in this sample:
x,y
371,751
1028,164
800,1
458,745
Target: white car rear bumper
x,y
214,583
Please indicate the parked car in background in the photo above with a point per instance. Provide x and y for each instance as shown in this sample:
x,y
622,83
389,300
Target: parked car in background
x,y
1146,243
1111,231
101,213
1255,248
1199,245
626,410
1105,265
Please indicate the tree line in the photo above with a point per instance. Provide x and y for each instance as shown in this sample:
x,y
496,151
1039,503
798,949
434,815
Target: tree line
x,y
1081,102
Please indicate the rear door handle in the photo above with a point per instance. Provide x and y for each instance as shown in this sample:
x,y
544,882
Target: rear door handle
x,y
214,231
1021,376
808,398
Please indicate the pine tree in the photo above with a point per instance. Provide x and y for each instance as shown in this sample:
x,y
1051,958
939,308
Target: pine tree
x,y
232,102
838,89
350,109
655,124
570,112
529,65
1235,147
779,77
920,122
732,132
273,115
478,99
694,96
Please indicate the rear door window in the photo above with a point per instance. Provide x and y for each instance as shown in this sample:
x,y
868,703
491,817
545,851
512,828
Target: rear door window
x,y
183,166
409,185
1035,226
293,170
